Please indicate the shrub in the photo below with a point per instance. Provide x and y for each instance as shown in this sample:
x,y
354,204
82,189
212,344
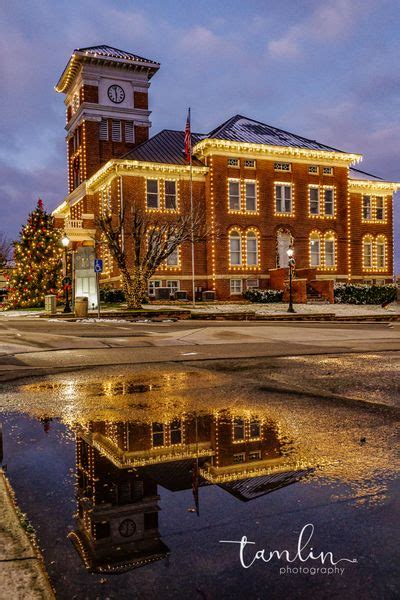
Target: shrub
x,y
350,293
263,296
109,295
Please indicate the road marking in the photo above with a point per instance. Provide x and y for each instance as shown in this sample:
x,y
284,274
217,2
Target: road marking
x,y
188,353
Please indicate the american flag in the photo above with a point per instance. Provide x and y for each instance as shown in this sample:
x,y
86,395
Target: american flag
x,y
188,140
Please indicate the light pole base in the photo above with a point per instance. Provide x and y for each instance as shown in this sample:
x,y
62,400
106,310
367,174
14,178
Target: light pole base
x,y
291,309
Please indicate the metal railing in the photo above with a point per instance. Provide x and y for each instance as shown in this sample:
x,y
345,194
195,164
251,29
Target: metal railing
x,y
73,223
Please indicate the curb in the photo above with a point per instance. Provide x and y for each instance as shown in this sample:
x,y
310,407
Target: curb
x,y
23,574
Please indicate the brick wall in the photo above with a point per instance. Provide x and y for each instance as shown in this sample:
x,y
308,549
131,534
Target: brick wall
x,y
134,193
359,229
140,100
212,268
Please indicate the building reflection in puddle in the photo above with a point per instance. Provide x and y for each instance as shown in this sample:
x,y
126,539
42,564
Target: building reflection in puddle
x,y
120,466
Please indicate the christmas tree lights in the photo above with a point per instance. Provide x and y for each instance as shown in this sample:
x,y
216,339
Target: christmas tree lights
x,y
38,261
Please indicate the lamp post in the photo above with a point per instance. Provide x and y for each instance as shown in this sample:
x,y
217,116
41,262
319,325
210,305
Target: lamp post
x,y
291,263
65,242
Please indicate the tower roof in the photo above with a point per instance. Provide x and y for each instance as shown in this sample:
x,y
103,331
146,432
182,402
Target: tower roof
x,y
107,55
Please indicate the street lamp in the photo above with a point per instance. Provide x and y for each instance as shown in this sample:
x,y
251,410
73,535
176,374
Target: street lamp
x,y
291,263
66,281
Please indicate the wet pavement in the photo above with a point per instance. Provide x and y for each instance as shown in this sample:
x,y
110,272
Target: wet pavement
x,y
136,478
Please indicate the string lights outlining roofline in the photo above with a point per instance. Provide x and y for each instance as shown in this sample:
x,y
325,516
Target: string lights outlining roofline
x,y
94,54
205,146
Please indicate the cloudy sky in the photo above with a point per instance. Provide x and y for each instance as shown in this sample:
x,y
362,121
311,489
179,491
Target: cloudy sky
x,y
327,70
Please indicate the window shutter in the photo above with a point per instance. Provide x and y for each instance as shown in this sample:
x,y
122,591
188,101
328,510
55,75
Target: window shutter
x,y
116,131
103,129
129,132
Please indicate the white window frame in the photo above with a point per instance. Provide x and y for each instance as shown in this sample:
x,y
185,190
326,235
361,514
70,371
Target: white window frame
x,y
380,208
327,170
239,457
152,194
380,244
250,182
241,424
173,259
314,188
235,290
251,236
315,242
250,163
282,199
367,243
285,167
313,169
160,435
254,455
232,198
233,162
173,284
153,284
250,285
234,236
332,203
366,208
168,195
172,430
330,240
258,422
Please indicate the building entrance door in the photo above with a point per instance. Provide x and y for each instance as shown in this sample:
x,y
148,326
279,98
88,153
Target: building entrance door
x,y
284,240
85,277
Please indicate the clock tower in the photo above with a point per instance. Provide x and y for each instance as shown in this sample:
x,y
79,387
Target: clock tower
x,y
106,95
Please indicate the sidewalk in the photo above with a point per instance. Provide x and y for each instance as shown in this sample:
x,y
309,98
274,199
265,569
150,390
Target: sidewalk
x,y
240,307
22,573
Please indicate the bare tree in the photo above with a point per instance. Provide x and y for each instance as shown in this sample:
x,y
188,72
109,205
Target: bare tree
x,y
149,243
5,248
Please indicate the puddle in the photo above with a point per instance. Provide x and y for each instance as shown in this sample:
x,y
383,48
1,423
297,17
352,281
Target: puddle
x,y
132,481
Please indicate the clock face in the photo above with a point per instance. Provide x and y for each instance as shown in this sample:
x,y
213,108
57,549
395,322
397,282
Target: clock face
x,y
116,94
127,527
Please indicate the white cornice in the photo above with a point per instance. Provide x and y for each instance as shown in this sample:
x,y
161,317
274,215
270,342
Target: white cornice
x,y
117,167
214,146
373,186
79,58
95,112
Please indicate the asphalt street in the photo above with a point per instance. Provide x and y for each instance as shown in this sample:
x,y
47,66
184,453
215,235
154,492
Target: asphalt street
x,y
30,343
330,388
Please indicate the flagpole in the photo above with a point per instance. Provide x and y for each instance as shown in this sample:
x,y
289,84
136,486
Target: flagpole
x,y
191,212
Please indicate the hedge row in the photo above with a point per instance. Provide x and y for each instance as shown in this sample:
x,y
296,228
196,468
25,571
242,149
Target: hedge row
x,y
109,295
345,293
263,296
350,293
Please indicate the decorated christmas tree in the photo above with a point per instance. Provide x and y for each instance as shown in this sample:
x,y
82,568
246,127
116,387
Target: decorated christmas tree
x,y
37,261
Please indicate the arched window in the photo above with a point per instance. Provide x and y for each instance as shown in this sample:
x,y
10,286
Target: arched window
x,y
381,252
173,258
315,249
235,248
251,249
367,249
330,249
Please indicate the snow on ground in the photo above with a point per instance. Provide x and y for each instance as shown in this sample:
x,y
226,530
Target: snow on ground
x,y
281,308
21,313
262,309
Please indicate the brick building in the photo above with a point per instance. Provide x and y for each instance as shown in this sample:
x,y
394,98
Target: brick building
x,y
262,190
121,465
